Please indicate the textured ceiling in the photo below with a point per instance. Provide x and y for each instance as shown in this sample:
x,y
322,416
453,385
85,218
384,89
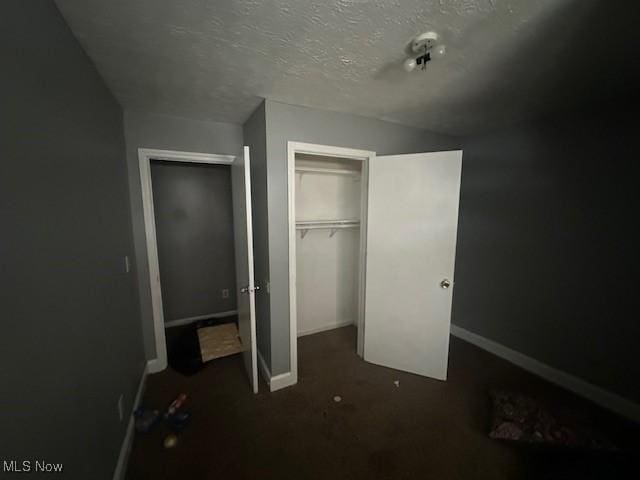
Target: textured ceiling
x,y
214,59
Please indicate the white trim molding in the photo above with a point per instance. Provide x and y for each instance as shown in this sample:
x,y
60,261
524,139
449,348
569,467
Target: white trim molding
x,y
145,155
365,156
604,398
189,157
155,365
279,381
125,449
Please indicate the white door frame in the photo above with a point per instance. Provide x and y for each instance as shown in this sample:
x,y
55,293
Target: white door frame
x,y
327,151
145,155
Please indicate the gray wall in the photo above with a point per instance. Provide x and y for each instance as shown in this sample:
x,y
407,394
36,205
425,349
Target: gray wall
x,y
255,136
146,130
291,123
547,252
71,340
194,230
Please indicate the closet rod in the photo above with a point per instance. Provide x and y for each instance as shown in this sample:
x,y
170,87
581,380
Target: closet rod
x,y
304,227
327,223
326,227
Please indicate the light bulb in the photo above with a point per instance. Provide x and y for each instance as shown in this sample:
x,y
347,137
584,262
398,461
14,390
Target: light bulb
x,y
438,51
409,64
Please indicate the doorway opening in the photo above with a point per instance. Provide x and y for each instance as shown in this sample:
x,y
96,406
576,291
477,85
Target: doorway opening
x,y
404,209
198,229
327,241
194,232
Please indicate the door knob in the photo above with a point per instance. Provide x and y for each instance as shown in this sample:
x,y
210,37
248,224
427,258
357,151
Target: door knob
x,y
445,283
246,289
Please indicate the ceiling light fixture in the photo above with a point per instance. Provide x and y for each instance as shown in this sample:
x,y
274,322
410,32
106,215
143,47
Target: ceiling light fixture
x,y
427,46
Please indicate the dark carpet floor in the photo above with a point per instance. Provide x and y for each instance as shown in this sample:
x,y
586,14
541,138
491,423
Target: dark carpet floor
x,y
422,429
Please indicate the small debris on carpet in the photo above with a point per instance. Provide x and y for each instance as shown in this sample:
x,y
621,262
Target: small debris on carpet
x,y
526,420
175,418
145,419
170,441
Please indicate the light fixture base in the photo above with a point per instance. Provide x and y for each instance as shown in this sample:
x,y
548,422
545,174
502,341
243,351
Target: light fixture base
x,y
424,41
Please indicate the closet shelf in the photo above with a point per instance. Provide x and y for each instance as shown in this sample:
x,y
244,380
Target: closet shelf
x,y
327,171
333,225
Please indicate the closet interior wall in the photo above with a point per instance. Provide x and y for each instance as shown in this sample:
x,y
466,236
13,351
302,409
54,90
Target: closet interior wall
x,y
194,233
328,210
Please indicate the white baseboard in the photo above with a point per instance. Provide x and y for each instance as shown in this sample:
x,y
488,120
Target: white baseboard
x,y
125,449
604,398
324,329
279,381
156,365
283,380
186,321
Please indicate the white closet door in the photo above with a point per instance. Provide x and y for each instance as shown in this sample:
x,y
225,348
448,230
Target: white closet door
x,y
245,285
412,222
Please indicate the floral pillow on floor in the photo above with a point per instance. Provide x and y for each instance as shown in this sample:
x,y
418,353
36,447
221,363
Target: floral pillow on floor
x,y
519,418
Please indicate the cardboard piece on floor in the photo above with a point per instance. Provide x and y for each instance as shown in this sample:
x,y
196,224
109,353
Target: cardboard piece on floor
x,y
219,341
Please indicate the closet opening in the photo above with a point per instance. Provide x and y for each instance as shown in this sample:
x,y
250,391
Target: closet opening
x,y
327,240
193,215
198,229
